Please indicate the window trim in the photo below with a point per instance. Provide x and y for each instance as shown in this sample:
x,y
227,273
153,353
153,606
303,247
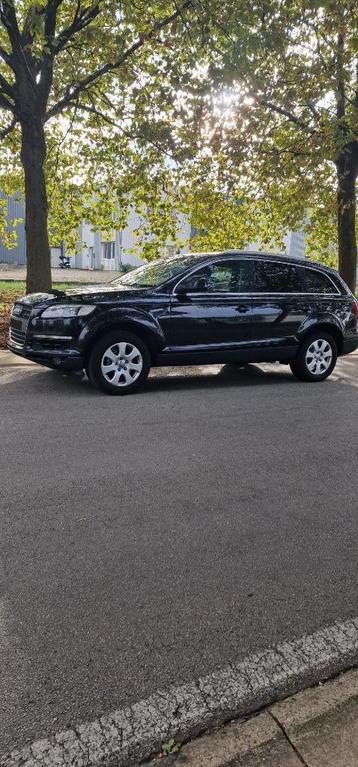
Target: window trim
x,y
202,265
252,259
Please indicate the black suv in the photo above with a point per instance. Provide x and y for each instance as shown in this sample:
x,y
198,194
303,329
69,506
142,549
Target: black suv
x,y
192,309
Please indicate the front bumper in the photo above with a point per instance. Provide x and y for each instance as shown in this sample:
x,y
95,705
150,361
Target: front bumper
x,y
57,359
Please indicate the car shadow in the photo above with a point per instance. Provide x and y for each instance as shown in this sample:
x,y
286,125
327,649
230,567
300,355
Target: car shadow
x,y
44,382
215,376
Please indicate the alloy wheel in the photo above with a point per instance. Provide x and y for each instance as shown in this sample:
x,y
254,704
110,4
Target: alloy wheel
x,y
319,356
121,364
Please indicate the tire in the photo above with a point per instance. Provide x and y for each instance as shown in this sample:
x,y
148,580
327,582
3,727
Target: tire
x,y
316,359
119,363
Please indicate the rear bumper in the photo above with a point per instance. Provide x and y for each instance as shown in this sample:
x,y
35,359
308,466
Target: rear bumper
x,y
350,345
57,359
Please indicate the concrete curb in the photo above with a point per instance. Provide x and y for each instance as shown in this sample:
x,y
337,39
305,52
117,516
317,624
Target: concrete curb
x,y
8,359
136,732
286,733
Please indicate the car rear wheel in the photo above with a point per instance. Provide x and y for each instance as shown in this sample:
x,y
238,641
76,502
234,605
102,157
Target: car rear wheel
x,y
119,363
316,358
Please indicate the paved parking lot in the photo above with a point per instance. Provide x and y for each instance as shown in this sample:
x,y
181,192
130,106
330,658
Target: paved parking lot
x,y
150,539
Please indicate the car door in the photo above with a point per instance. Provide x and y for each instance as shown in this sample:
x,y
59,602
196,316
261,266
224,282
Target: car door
x,y
280,303
211,307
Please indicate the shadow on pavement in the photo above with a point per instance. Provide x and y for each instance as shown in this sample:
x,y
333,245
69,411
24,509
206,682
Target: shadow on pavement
x,y
43,381
37,380
215,376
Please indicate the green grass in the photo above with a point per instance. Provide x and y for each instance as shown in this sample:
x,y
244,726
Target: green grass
x,y
10,290
19,286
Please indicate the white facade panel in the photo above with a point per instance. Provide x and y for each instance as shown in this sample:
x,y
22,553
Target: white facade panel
x,y
55,257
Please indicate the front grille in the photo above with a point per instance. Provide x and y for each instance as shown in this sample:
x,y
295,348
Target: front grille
x,y
18,336
19,321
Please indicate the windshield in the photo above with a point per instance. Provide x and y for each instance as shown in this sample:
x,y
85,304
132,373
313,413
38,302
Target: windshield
x,y
155,273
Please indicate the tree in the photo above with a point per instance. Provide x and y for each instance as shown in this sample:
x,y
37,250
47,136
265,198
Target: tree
x,y
290,70
83,69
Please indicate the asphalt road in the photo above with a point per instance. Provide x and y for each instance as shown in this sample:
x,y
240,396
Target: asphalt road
x,y
150,539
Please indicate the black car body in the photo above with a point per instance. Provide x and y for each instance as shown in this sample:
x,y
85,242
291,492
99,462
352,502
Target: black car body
x,y
199,308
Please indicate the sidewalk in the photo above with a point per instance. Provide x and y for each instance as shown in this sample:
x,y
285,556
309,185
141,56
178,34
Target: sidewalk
x,y
64,275
315,728
8,359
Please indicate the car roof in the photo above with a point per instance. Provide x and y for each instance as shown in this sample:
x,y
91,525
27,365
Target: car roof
x,y
257,254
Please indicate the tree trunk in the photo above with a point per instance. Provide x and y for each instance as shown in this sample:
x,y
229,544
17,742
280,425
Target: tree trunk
x,y
33,155
346,220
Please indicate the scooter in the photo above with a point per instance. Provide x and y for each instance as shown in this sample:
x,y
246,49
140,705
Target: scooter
x,y
65,262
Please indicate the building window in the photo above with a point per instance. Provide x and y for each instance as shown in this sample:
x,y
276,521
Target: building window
x,y
108,249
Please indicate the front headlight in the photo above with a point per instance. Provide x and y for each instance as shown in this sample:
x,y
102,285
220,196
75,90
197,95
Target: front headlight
x,y
66,311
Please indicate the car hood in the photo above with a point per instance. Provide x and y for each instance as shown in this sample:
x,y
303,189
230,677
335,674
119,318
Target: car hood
x,y
39,298
103,292
85,293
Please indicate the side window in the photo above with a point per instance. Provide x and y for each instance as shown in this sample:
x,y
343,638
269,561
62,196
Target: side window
x,y
316,282
232,276
277,278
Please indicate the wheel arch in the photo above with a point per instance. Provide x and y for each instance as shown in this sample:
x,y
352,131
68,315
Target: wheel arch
x,y
143,332
330,328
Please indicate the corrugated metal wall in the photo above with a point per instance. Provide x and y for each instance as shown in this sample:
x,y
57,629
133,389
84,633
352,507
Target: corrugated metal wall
x,y
124,241
17,255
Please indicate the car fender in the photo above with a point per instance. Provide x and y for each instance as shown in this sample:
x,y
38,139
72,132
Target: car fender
x,y
133,319
314,320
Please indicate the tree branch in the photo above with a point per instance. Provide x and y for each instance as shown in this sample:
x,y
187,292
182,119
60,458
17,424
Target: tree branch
x,y
5,131
312,107
341,92
5,104
4,55
6,87
9,20
63,139
27,34
74,91
318,33
93,110
50,19
290,116
82,18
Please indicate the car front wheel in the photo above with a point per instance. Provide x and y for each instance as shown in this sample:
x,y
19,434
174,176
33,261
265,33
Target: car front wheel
x,y
119,363
316,358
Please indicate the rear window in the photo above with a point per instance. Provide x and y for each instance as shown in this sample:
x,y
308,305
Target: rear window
x,y
316,282
277,278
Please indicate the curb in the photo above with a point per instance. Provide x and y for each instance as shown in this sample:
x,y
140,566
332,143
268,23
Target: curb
x,y
136,732
310,725
8,359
